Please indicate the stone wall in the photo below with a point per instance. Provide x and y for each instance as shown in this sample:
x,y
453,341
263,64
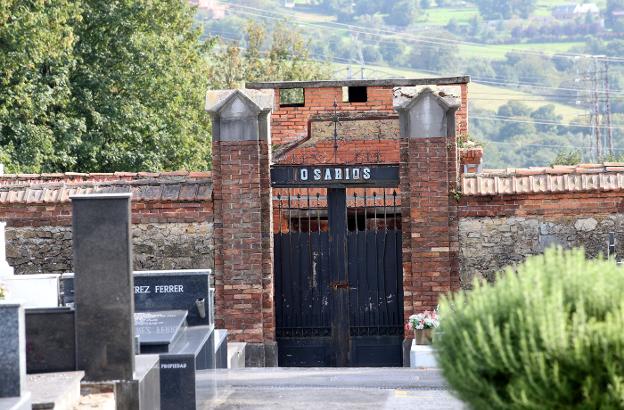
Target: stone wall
x,y
48,249
488,244
172,220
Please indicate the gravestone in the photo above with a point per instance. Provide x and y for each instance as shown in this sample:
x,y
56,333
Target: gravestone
x,y
158,331
183,289
50,340
12,357
193,351
104,302
103,286
166,290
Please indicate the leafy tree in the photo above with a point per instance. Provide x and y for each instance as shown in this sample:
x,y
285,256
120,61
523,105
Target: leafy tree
x,y
615,22
139,86
101,86
496,9
392,50
442,58
341,8
367,7
36,43
514,109
403,13
567,158
546,113
286,58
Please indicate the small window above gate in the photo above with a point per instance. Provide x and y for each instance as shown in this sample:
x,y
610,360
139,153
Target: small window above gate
x,y
292,97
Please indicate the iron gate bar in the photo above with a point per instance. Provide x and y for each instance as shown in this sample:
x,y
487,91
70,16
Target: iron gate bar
x,y
338,304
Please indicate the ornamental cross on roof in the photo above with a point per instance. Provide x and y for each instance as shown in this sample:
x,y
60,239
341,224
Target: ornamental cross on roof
x,y
336,121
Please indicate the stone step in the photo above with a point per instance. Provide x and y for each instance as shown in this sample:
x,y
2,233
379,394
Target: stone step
x,y
58,391
16,403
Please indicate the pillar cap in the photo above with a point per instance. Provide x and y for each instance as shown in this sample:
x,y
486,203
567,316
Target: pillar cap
x,y
449,97
257,100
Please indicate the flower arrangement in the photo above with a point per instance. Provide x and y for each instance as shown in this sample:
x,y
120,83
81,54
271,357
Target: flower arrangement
x,y
426,320
422,324
2,291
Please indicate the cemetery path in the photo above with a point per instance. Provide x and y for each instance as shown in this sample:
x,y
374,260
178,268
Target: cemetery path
x,y
324,388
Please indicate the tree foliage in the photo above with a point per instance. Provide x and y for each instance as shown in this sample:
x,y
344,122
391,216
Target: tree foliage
x,y
139,86
546,336
285,58
403,13
101,86
496,9
36,59
94,86
613,20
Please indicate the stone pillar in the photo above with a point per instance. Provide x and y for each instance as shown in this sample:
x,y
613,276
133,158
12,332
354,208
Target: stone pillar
x,y
243,214
103,286
429,183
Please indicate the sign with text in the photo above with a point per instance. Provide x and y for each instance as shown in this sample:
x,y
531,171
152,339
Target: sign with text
x,y
335,175
165,290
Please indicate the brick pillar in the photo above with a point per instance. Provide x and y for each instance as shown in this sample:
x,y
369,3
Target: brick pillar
x,y
243,230
429,172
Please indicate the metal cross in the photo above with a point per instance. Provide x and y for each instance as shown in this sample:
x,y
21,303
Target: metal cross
x,y
336,122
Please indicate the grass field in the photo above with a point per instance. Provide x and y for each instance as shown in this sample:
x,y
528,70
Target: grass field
x,y
497,52
483,96
441,16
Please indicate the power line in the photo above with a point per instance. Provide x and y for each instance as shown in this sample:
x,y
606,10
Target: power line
x,y
540,122
543,145
477,79
421,38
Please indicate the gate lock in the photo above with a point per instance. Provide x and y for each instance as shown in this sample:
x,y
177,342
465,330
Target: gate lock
x,y
340,284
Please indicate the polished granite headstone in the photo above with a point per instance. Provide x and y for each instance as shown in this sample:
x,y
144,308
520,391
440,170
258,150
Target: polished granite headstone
x,y
50,340
166,290
183,289
103,286
157,331
194,350
12,351
12,357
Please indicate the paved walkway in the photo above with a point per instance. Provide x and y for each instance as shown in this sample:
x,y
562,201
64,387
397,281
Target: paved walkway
x,y
324,389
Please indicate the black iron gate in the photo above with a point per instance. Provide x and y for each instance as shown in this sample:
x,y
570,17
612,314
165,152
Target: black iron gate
x,y
338,277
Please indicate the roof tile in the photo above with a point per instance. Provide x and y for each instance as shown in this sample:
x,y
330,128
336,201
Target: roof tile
x,y
188,192
170,192
562,178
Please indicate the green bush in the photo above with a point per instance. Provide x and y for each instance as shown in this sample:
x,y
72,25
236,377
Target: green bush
x,y
547,335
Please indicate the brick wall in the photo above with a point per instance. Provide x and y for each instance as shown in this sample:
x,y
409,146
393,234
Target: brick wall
x,y
430,250
243,269
291,123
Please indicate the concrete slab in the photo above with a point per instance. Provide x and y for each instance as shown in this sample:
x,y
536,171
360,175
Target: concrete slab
x,y
16,403
59,391
326,388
